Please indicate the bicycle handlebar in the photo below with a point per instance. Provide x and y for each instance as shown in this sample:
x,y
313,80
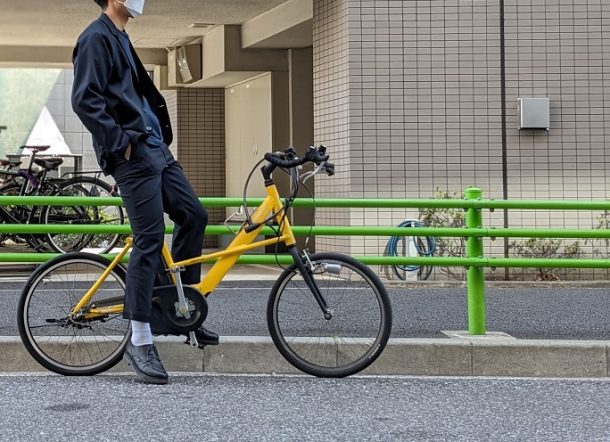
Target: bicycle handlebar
x,y
288,160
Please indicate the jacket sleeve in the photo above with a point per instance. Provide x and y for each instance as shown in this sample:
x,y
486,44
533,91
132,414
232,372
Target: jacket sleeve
x,y
92,61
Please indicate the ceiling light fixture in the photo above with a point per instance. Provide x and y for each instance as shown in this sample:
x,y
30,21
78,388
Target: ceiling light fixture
x,y
199,25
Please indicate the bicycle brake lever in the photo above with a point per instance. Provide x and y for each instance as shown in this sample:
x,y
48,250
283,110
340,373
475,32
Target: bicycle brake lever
x,y
239,212
311,173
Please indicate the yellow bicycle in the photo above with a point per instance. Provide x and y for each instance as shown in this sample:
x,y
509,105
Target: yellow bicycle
x,y
328,314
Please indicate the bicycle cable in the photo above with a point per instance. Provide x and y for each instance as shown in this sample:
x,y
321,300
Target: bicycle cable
x,y
245,204
313,218
294,184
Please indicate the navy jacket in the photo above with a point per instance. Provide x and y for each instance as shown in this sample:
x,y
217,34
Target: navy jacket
x,y
107,93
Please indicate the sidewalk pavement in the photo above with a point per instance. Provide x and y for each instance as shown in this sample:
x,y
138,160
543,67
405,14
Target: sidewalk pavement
x,y
458,354
484,356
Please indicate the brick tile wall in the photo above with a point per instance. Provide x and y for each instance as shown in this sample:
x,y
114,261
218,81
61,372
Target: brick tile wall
x,y
331,104
198,122
408,99
559,49
419,85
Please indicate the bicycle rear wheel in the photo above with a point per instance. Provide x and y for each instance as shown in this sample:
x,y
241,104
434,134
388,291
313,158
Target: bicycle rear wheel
x,y
352,338
84,215
82,344
11,189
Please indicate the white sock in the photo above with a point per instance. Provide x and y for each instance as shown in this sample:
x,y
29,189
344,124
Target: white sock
x,y
140,333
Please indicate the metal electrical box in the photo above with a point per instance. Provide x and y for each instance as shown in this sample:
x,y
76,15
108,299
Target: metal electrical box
x,y
184,65
534,113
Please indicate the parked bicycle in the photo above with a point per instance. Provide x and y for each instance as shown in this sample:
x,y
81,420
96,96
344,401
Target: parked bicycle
x,y
27,182
8,171
328,314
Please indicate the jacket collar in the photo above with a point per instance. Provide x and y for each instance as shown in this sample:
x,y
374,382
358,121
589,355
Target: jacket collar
x,y
110,24
117,34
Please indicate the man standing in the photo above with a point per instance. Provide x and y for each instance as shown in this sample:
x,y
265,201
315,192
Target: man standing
x,y
118,103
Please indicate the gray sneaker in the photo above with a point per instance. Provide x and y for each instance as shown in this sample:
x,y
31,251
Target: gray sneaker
x,y
145,361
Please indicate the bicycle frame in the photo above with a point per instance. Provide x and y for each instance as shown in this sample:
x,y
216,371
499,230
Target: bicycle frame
x,y
226,258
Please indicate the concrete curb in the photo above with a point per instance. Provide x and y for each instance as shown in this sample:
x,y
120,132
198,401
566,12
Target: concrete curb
x,y
449,357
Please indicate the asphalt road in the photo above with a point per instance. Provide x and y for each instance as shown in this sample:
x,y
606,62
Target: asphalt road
x,y
238,309
260,408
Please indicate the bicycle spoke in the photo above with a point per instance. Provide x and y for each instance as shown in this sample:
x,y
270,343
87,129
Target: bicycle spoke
x,y
74,344
349,338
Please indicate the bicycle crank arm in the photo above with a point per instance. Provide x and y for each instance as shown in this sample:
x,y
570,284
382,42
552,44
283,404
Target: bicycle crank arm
x,y
193,339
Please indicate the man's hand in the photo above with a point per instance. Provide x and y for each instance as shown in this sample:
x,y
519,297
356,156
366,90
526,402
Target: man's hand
x,y
127,153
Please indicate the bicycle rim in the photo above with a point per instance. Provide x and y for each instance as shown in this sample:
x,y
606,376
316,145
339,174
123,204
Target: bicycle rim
x,y
84,215
10,189
22,214
68,345
341,346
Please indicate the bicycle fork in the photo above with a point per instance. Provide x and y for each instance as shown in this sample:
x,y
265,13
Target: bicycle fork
x,y
306,273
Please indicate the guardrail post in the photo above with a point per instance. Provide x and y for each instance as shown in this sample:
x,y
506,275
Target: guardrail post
x,y
475,277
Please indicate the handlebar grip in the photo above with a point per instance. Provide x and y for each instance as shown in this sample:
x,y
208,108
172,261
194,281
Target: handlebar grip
x,y
273,159
317,156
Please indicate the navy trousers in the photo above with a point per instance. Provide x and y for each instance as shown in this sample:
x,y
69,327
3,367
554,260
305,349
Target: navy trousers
x,y
152,182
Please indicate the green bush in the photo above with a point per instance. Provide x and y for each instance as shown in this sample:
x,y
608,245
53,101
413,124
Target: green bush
x,y
546,248
446,217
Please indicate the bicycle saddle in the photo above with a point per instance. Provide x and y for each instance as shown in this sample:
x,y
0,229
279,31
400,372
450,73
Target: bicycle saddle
x,y
49,163
11,163
36,148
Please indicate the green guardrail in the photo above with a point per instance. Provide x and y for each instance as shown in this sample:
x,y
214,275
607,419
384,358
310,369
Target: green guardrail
x,y
474,232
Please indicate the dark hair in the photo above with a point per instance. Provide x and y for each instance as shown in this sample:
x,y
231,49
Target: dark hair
x,y
101,3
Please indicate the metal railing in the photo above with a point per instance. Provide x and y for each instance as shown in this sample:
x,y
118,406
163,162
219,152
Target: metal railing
x,y
474,260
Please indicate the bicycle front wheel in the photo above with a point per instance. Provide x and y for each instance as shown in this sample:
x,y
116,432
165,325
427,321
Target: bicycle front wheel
x,y
81,344
352,337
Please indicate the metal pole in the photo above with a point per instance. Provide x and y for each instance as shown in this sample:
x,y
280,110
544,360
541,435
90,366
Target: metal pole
x,y
475,278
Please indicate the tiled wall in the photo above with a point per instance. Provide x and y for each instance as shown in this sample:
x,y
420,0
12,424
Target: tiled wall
x,y
75,134
559,49
422,101
200,143
408,99
331,104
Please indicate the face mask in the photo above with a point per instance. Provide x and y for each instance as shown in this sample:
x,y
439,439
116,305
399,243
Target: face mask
x,y
135,7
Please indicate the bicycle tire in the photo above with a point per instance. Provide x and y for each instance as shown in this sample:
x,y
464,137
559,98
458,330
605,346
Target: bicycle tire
x,y
9,189
291,303
23,214
73,242
61,342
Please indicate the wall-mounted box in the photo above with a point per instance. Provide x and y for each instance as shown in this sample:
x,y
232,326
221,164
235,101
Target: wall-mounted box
x,y
184,65
534,113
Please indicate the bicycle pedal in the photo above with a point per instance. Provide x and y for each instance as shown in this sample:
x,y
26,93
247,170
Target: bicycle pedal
x,y
199,345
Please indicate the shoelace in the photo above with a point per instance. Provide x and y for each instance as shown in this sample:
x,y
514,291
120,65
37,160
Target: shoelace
x,y
152,349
